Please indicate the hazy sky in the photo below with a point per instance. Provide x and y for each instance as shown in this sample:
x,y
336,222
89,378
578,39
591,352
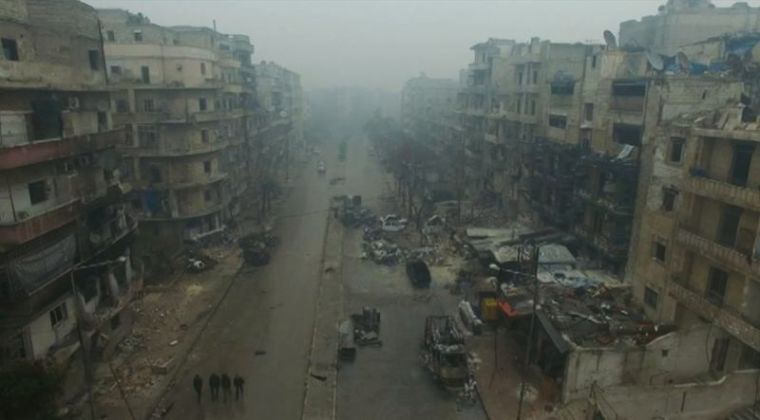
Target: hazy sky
x,y
381,44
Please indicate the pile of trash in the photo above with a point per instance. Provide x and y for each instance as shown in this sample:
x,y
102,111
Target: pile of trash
x,y
382,252
256,247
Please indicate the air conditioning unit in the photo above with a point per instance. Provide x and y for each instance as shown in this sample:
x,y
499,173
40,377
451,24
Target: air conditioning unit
x,y
73,102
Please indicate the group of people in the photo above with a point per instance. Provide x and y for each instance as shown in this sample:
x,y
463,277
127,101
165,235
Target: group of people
x,y
222,381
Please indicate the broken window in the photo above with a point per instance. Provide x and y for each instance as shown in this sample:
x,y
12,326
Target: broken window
x,y
629,88
58,315
202,105
94,57
676,149
716,286
659,251
10,49
207,166
669,199
122,105
588,112
145,73
650,297
111,36
558,121
138,36
742,160
729,225
148,105
116,70
38,191
627,134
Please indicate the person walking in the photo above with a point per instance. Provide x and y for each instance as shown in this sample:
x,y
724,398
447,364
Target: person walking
x,y
213,383
226,387
238,381
198,385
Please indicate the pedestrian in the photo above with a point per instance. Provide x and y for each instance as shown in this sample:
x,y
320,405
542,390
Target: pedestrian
x,y
213,384
198,385
238,381
226,387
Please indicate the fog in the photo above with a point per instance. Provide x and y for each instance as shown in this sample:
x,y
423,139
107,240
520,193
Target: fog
x,y
381,44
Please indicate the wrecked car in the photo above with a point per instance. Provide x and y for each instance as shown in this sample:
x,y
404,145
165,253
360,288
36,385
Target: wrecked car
x,y
392,223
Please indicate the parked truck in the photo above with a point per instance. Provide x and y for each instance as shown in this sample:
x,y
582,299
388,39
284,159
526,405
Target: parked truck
x,y
444,353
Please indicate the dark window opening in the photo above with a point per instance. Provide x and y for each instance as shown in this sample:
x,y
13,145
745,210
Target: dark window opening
x,y
627,134
716,286
629,88
145,73
563,88
111,36
519,78
593,61
207,166
585,140
742,161
94,57
38,192
203,68
102,121
669,199
588,112
535,77
659,251
148,105
155,174
10,49
202,104
47,120
558,121
58,315
207,195
719,352
115,69
204,136
650,297
729,225
676,149
148,137
138,36
122,105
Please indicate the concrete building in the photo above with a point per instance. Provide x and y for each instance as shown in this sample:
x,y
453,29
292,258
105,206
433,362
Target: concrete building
x,y
682,22
66,234
207,126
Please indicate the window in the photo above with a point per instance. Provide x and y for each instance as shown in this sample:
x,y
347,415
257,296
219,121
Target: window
x,y
659,251
532,107
593,61
94,57
202,105
115,69
650,297
585,140
535,77
145,73
588,112
38,192
207,195
111,36
627,134
519,78
148,105
729,225
519,104
629,88
669,199
207,166
58,315
122,105
148,137
676,149
204,136
138,36
203,68
562,88
716,286
558,121
742,161
10,49
155,174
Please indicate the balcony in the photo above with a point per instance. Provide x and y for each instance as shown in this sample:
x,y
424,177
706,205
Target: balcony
x,y
723,255
627,103
34,152
748,198
174,149
725,317
27,229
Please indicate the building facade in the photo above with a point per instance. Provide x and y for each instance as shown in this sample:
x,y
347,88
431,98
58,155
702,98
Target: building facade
x,y
66,232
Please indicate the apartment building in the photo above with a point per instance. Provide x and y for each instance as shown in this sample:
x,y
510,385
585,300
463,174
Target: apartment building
x,y
208,127
66,233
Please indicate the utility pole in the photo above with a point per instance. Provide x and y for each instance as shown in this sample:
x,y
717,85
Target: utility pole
x,y
534,252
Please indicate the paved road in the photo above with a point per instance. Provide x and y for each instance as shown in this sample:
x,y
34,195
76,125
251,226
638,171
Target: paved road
x,y
388,382
270,309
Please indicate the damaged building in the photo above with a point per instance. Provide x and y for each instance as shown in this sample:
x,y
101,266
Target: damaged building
x,y
209,129
66,233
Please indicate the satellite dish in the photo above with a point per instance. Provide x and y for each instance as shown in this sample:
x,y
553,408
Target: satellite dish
x,y
683,62
655,60
609,38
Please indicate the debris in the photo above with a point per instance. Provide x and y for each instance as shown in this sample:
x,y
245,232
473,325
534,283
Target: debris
x,y
393,223
173,343
161,368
